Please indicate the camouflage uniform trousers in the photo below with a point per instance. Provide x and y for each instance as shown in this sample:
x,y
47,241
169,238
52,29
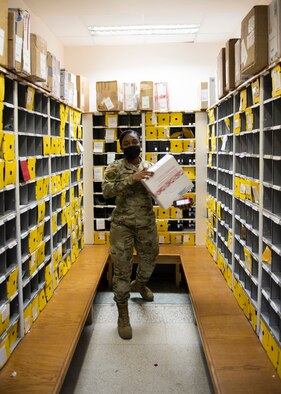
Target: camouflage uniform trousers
x,y
123,239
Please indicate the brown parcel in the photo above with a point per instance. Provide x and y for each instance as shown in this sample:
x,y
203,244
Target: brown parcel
x,y
83,92
107,96
230,64
221,73
38,58
254,41
4,33
146,96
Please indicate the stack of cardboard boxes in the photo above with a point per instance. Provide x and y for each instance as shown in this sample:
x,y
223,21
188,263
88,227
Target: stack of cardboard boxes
x,y
26,54
259,46
114,96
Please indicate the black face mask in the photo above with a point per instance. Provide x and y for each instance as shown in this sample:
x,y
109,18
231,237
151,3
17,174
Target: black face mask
x,y
131,152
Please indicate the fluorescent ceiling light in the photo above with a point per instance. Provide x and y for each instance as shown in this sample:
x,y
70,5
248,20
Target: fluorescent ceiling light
x,y
143,30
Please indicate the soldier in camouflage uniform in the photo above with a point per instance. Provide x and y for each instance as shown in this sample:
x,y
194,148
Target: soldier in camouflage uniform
x,y
133,226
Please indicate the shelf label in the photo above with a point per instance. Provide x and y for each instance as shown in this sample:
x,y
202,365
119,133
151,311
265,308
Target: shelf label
x,y
98,147
110,134
145,102
43,68
100,224
108,103
110,157
18,48
98,174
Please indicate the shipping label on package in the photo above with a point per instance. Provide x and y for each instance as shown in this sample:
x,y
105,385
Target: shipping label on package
x,y
168,183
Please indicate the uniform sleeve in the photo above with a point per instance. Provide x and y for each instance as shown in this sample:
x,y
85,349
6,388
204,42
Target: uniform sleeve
x,y
112,185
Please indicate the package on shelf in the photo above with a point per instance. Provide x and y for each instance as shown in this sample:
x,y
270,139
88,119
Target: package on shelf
x,y
12,283
64,84
230,64
5,351
83,93
212,91
169,181
129,96
42,300
203,95
164,237
4,33
7,146
274,31
10,172
146,96
221,73
35,308
4,317
276,81
53,80
72,90
108,96
254,40
38,47
238,76
49,291
13,334
19,55
161,96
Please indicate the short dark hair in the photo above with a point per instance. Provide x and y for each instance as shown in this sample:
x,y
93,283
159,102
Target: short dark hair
x,y
127,132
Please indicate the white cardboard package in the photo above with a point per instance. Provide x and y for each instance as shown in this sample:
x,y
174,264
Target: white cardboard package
x,y
168,183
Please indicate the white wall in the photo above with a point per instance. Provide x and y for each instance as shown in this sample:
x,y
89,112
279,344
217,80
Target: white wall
x,y
183,66
37,26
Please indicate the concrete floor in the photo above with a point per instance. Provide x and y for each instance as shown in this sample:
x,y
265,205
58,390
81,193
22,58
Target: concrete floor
x,y
164,356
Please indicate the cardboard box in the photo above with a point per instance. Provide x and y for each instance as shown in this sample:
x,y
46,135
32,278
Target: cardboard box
x,y
53,81
221,73
254,40
146,96
38,58
230,64
19,40
108,96
129,94
64,85
212,92
4,33
239,77
83,93
168,183
72,90
161,97
204,95
274,31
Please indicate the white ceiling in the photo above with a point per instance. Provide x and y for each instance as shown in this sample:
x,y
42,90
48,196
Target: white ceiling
x,y
68,19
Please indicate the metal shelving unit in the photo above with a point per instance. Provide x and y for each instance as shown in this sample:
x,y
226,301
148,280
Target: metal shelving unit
x,y
41,210
243,204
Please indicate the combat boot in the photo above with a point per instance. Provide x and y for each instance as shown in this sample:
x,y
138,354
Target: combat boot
x,y
124,326
144,291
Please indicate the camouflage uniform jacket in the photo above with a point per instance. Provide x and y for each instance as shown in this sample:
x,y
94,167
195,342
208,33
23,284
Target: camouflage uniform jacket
x,y
134,206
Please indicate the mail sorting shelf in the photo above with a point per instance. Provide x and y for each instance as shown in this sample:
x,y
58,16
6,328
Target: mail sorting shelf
x,y
107,128
173,133
31,241
257,278
76,191
9,294
271,240
247,175
212,179
224,154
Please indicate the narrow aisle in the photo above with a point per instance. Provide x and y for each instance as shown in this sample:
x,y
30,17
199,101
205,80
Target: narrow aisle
x,y
164,356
